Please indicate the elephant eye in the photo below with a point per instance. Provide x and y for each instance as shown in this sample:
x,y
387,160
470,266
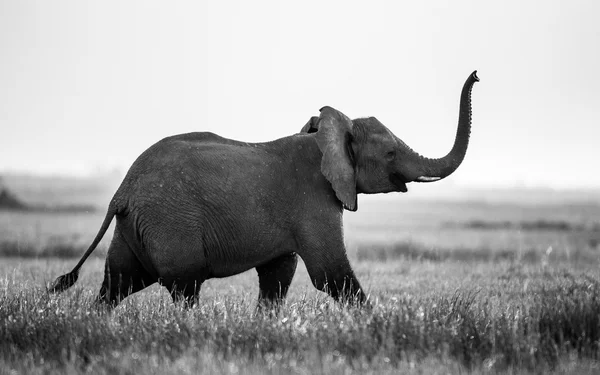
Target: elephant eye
x,y
389,156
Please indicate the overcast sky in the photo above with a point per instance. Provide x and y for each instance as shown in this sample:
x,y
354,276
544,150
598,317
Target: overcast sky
x,y
85,87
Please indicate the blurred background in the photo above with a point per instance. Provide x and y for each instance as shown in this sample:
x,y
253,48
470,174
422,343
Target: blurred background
x,y
86,87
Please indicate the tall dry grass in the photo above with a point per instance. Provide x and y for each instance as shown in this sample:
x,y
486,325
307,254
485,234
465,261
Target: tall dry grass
x,y
504,317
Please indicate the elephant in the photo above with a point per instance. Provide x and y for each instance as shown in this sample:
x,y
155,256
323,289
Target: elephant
x,y
198,206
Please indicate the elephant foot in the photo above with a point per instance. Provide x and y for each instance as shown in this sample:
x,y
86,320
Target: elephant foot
x,y
274,279
185,293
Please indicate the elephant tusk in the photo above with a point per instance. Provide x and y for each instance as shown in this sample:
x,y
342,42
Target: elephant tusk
x,y
427,179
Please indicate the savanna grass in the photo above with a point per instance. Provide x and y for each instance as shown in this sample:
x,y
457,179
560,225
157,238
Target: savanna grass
x,y
520,318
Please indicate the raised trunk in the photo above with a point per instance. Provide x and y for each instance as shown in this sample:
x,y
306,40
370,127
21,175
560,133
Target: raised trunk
x,y
435,169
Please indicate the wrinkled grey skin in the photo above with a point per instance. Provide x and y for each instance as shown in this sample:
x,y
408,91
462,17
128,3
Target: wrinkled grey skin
x,y
198,206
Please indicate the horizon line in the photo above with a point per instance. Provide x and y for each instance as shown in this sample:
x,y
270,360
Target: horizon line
x,y
452,185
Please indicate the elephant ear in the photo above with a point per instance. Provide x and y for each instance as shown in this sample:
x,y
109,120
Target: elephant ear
x,y
333,137
311,126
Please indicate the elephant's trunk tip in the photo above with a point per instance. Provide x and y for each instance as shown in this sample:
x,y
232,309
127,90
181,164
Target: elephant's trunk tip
x,y
474,75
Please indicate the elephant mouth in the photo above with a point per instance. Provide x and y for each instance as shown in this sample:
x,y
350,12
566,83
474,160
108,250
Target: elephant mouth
x,y
399,182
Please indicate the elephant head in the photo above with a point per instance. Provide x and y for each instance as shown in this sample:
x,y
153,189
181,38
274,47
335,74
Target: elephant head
x,y
364,156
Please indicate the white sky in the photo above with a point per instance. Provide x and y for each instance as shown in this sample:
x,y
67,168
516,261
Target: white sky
x,y
87,86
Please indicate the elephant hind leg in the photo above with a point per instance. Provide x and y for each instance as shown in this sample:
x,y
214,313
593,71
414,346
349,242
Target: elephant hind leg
x,y
123,273
275,278
186,292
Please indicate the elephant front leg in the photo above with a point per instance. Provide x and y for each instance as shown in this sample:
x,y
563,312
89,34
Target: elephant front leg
x,y
330,271
275,278
339,282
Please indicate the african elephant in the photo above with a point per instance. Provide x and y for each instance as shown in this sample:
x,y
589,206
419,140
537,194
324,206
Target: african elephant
x,y
198,206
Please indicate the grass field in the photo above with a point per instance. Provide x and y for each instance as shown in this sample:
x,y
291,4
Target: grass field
x,y
455,288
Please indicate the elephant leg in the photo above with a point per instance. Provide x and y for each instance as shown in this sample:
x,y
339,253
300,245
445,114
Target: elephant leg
x,y
329,268
186,292
338,281
123,273
275,278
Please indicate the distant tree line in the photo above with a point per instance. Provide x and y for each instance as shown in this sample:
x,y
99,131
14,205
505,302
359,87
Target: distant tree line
x,y
10,201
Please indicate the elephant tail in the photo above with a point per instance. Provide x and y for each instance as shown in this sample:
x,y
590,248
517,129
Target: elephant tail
x,y
66,281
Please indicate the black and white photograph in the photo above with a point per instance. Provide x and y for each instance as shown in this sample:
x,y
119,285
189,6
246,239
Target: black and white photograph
x,y
315,187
